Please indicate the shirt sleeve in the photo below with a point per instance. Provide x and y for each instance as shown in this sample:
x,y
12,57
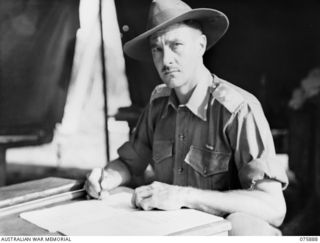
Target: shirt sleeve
x,y
253,146
137,152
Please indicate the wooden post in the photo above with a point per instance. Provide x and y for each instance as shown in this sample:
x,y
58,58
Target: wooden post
x,y
2,166
104,79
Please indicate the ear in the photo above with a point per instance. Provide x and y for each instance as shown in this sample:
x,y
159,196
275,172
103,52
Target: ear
x,y
202,44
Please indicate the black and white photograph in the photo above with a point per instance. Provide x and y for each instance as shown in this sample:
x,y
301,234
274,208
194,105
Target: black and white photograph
x,y
159,118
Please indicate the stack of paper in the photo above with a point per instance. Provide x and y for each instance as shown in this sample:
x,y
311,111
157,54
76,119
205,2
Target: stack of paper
x,y
115,216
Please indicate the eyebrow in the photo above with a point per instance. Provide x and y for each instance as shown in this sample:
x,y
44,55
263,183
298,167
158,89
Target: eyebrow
x,y
153,45
153,41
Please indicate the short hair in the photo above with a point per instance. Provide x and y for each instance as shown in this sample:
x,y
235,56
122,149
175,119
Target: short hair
x,y
193,24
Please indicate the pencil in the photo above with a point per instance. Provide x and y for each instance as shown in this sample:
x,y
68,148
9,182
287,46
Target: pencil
x,y
100,182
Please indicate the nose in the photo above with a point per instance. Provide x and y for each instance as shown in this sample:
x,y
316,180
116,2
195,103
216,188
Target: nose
x,y
167,57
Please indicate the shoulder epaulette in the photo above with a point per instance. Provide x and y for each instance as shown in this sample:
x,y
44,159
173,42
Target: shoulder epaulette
x,y
229,97
160,90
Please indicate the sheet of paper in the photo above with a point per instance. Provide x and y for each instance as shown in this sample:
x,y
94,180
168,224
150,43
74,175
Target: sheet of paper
x,y
143,223
81,212
115,216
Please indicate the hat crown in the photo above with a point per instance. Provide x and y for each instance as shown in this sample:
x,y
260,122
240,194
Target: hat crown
x,y
163,10
163,13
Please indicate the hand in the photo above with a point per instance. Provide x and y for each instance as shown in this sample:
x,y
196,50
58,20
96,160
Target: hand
x,y
94,184
159,195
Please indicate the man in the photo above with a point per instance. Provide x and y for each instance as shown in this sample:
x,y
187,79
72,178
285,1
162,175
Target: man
x,y
208,141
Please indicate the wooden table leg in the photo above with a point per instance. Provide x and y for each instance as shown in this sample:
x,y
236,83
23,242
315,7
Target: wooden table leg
x,y
2,166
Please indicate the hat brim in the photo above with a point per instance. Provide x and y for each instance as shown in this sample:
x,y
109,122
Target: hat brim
x,y
214,26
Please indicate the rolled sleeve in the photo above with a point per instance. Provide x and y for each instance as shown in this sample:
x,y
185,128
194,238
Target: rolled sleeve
x,y
259,169
252,142
136,153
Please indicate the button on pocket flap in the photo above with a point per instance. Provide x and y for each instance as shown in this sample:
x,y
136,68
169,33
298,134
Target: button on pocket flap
x,y
207,162
162,150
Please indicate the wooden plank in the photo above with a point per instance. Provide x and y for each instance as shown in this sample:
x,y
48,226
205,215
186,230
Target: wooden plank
x,y
28,191
7,139
2,166
12,224
42,202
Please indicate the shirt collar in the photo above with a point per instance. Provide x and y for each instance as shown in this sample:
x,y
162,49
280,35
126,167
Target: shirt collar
x,y
198,102
172,102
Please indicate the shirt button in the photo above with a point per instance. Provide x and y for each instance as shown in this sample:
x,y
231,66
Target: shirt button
x,y
180,170
181,137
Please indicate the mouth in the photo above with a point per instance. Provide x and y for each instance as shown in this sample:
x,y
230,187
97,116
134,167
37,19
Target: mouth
x,y
168,72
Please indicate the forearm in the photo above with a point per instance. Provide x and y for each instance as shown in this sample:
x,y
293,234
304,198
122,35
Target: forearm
x,y
116,174
255,202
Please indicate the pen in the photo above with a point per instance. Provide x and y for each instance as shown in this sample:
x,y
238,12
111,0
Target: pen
x,y
100,183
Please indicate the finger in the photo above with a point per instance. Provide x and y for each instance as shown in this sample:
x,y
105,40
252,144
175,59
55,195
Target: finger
x,y
140,201
104,195
144,193
143,188
94,174
93,192
94,187
147,204
86,188
133,200
139,195
93,181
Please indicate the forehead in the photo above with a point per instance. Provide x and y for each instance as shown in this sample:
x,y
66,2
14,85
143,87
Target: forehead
x,y
175,31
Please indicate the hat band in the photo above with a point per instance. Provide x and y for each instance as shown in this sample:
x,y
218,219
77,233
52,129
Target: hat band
x,y
165,15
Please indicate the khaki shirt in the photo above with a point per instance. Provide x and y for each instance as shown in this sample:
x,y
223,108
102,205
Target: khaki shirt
x,y
219,140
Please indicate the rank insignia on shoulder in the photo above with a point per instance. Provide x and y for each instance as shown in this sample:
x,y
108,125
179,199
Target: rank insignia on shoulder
x,y
159,91
230,98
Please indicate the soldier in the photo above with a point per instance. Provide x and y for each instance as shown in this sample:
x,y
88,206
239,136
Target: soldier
x,y
208,141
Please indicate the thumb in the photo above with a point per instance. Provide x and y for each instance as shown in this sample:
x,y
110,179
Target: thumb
x,y
104,195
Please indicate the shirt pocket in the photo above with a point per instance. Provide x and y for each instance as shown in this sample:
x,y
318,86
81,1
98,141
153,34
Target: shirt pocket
x,y
162,156
209,168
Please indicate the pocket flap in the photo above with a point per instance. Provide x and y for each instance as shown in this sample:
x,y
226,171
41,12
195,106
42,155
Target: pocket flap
x,y
162,150
207,162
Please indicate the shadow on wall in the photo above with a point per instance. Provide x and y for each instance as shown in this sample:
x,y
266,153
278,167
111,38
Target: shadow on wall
x,y
37,45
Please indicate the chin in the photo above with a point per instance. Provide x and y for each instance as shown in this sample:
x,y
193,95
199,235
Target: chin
x,y
172,85
172,82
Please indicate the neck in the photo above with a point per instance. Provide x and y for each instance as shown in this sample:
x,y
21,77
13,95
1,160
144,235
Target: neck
x,y
184,92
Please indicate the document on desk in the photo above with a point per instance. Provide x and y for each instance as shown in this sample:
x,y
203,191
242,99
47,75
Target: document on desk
x,y
115,216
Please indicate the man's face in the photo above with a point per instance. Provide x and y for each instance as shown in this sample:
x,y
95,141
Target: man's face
x,y
177,52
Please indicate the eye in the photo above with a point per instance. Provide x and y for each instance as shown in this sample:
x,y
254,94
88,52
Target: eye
x,y
155,49
177,45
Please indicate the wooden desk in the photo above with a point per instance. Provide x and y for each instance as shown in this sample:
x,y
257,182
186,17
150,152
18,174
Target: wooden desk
x,y
36,196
